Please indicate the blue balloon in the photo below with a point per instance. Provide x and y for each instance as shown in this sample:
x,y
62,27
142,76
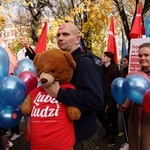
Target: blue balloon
x,y
147,25
4,63
135,86
24,65
10,116
12,91
117,90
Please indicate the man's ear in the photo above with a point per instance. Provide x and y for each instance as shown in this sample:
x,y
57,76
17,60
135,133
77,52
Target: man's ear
x,y
78,39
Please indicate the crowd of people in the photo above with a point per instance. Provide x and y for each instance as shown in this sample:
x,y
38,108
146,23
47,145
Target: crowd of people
x,y
88,97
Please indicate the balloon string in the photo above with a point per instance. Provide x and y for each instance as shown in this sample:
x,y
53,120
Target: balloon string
x,y
10,21
125,129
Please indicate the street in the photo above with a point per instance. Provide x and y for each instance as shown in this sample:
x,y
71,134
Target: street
x,y
21,144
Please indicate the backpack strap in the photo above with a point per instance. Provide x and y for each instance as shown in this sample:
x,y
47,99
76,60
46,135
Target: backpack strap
x,y
78,57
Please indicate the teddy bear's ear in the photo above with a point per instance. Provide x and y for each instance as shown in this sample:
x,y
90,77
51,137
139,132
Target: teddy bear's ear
x,y
35,59
70,59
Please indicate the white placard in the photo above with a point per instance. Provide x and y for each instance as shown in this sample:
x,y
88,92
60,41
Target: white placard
x,y
134,46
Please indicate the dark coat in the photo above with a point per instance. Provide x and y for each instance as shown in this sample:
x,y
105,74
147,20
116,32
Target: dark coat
x,y
124,72
111,72
88,96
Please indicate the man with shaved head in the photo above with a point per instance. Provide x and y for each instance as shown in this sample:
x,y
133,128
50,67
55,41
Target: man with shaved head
x,y
88,95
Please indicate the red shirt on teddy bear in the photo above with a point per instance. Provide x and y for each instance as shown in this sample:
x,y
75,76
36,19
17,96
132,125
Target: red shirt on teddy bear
x,y
51,128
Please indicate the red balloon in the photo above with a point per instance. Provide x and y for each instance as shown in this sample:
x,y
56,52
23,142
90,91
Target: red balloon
x,y
146,101
29,79
139,72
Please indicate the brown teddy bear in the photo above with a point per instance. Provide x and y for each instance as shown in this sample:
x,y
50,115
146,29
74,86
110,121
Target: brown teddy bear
x,y
51,125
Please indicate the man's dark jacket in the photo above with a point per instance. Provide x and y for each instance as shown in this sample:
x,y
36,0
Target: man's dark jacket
x,y
87,96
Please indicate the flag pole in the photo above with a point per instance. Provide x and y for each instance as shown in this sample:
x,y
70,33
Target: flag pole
x,y
10,21
124,125
13,25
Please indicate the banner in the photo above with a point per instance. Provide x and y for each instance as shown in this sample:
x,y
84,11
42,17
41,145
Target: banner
x,y
134,59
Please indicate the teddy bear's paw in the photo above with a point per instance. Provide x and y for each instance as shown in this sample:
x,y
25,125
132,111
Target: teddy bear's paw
x,y
26,106
25,111
73,113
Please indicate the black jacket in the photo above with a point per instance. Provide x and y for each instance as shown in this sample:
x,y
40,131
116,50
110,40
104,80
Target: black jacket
x,y
111,72
87,96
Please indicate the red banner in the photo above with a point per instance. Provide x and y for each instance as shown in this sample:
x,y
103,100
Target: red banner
x,y
41,45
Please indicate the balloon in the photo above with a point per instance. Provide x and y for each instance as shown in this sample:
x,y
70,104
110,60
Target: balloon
x,y
117,90
24,65
10,116
146,101
4,63
12,91
29,79
134,87
139,72
147,25
39,83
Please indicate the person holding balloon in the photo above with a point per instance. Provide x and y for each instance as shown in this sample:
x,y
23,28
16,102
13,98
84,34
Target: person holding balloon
x,y
111,71
139,118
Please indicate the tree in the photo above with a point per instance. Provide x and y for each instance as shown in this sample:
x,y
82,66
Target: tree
x,y
91,16
2,22
127,20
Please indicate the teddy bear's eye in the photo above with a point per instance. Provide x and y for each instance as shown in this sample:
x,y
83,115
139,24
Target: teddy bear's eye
x,y
52,71
38,70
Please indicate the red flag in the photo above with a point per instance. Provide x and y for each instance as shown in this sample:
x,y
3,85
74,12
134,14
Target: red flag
x,y
13,59
41,45
111,47
136,30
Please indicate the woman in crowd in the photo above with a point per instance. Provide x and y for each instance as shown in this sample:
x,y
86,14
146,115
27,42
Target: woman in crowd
x,y
139,119
111,71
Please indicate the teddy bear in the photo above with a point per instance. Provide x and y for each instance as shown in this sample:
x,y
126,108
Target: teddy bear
x,y
51,122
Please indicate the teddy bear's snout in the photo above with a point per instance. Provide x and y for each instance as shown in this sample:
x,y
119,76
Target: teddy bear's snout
x,y
43,80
